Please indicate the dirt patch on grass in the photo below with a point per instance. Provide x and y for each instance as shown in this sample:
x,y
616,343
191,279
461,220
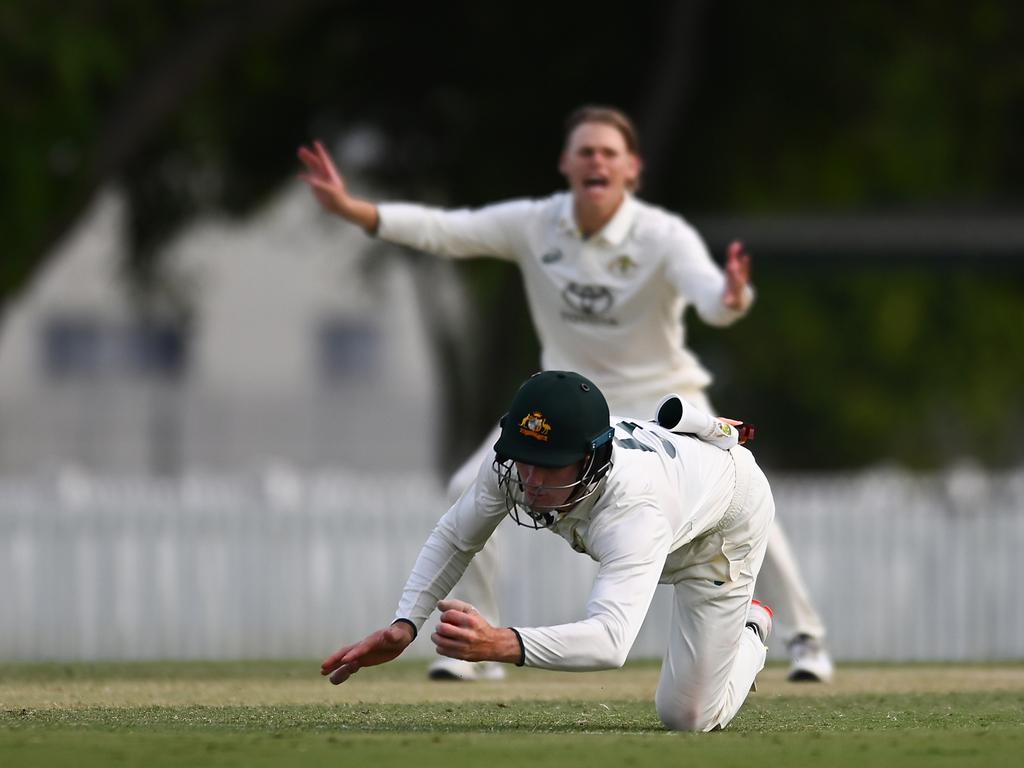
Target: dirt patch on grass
x,y
407,684
910,678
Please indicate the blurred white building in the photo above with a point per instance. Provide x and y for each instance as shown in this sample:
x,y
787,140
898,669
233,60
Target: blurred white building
x,y
293,339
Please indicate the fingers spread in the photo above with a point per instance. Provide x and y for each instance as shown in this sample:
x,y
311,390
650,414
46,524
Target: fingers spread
x,y
347,655
331,662
317,184
311,161
343,673
325,159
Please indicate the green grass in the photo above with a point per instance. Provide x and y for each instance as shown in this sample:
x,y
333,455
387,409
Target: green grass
x,y
259,713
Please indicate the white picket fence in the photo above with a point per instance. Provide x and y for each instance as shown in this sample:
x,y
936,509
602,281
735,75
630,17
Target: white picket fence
x,y
284,565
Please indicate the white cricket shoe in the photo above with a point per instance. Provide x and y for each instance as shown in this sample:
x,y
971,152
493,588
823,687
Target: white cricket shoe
x,y
759,618
470,671
811,662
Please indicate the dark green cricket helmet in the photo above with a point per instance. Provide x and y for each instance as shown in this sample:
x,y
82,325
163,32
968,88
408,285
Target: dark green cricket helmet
x,y
556,419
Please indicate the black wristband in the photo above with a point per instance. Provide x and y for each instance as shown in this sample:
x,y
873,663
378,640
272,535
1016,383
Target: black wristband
x,y
522,648
406,621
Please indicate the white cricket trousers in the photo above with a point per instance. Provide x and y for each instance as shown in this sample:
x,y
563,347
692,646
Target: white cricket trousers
x,y
712,657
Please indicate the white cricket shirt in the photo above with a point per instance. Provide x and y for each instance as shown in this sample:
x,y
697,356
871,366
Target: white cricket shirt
x,y
608,306
663,491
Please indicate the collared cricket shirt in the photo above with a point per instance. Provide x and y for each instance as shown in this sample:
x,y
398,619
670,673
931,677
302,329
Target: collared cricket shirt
x,y
608,306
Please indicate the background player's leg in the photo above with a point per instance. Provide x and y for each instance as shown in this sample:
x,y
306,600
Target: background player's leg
x,y
781,586
478,584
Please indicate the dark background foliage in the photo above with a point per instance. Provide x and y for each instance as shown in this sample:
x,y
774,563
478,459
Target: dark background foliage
x,y
745,109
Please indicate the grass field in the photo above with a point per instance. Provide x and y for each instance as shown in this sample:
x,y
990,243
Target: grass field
x,y
283,713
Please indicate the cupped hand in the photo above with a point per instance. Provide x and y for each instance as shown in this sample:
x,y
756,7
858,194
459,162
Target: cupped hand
x,y
464,634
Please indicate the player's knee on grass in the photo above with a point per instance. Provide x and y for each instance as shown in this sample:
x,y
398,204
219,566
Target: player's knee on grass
x,y
679,720
682,714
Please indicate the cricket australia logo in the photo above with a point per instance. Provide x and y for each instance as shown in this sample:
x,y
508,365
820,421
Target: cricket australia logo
x,y
588,304
622,265
535,425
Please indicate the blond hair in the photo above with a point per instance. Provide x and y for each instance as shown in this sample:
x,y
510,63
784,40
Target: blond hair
x,y
616,118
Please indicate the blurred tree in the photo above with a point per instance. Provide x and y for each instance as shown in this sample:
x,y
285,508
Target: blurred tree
x,y
879,364
747,107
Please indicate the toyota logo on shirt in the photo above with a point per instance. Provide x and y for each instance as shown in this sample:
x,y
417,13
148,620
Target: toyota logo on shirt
x,y
589,303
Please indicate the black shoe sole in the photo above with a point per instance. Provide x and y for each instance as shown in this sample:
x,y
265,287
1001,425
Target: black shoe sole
x,y
444,675
802,676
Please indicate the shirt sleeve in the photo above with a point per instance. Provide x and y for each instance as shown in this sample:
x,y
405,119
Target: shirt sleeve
x,y
698,279
632,556
495,230
457,537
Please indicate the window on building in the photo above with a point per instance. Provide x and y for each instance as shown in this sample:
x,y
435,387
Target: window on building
x,y
79,346
348,348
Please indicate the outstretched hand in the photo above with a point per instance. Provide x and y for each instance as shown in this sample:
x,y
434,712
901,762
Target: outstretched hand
x,y
380,647
737,275
329,188
323,178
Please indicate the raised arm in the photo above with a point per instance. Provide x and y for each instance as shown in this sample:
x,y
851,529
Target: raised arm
x,y
720,296
330,191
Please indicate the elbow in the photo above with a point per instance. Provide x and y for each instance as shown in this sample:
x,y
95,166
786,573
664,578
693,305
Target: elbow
x,y
618,659
612,655
612,658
